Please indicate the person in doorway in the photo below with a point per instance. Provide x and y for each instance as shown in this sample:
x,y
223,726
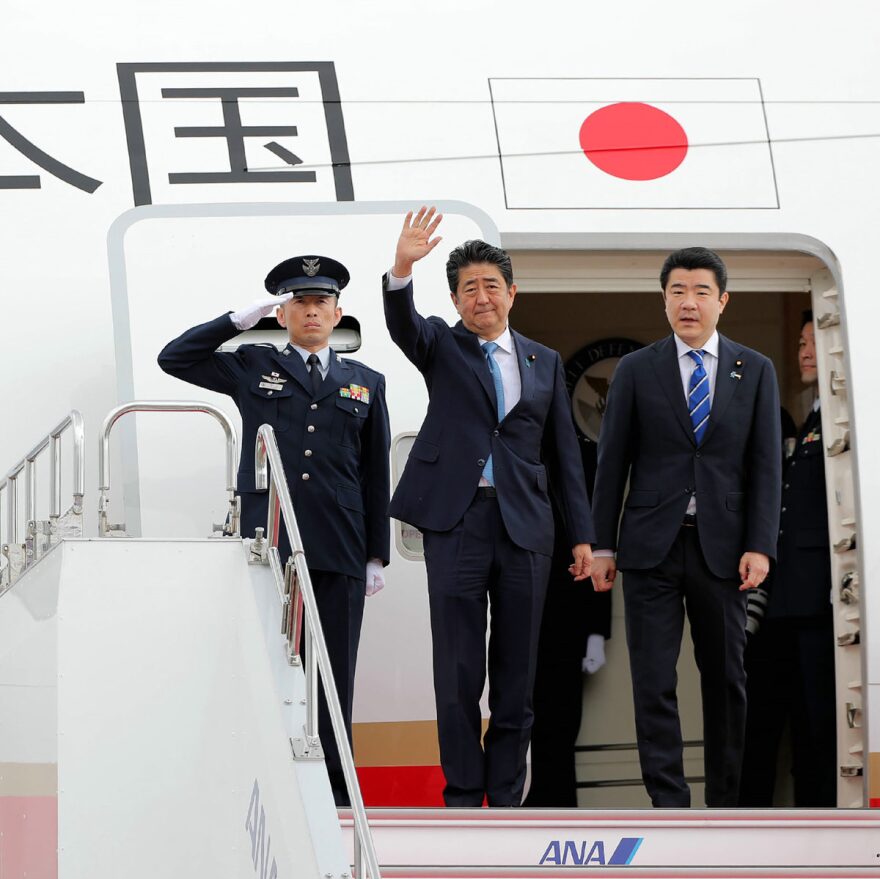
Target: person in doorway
x,y
575,625
693,423
498,430
790,659
331,423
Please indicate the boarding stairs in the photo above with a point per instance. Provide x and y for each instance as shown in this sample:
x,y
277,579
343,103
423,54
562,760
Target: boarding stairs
x,y
155,720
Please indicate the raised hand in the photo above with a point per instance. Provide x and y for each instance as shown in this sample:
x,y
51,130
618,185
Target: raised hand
x,y
249,316
415,239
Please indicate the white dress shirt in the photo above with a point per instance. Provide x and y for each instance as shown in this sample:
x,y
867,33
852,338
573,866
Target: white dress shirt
x,y
505,357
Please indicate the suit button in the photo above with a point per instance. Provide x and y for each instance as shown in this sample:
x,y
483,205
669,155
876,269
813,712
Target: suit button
x,y
780,532
269,393
496,433
305,477
481,463
313,406
786,485
699,455
783,509
311,428
356,410
308,453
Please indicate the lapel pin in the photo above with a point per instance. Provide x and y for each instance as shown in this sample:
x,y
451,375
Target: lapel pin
x,y
530,360
736,375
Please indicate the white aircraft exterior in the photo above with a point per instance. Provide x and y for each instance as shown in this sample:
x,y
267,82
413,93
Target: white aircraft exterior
x,y
156,161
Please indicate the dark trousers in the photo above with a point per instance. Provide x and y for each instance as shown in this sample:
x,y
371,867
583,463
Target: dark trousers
x,y
790,667
655,602
469,567
558,707
340,601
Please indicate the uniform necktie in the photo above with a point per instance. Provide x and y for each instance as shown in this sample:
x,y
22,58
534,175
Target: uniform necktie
x,y
315,372
698,396
489,350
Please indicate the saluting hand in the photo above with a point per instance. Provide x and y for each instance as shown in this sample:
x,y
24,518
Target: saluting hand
x,y
583,559
415,239
753,568
249,316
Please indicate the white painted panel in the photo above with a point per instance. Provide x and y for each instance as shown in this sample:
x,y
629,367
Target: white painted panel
x,y
168,717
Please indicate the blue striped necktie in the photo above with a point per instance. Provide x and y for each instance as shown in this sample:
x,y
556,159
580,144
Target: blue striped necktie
x,y
489,349
698,396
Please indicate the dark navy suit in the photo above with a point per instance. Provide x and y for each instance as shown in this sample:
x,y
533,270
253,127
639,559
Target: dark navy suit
x,y
485,549
647,438
340,441
790,661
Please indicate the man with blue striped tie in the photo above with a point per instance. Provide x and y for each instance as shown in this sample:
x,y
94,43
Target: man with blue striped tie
x,y
497,438
692,422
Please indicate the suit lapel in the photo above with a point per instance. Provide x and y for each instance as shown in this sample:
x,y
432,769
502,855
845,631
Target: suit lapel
x,y
668,374
291,362
726,382
469,345
522,348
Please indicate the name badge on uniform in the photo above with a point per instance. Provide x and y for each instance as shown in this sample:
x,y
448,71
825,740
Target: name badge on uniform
x,y
355,392
271,386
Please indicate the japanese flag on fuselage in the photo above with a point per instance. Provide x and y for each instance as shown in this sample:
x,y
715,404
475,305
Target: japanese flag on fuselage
x,y
633,143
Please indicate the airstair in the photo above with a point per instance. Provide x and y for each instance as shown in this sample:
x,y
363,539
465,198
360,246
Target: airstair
x,y
156,721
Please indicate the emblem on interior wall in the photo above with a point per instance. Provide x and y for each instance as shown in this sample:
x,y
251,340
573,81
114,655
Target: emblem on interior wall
x,y
588,376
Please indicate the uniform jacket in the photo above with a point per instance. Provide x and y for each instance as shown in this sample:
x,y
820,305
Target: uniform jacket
x,y
800,584
461,429
340,440
647,437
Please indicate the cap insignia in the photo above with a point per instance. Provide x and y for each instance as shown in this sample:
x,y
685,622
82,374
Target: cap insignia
x,y
311,267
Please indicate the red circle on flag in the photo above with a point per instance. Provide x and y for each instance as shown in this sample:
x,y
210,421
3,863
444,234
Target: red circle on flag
x,y
633,141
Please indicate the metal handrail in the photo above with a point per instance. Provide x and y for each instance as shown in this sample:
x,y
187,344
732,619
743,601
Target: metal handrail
x,y
266,452
9,483
164,406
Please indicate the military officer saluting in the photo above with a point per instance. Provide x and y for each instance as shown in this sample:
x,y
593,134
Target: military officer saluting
x,y
331,424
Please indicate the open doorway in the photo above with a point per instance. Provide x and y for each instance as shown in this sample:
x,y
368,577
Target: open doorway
x,y
593,307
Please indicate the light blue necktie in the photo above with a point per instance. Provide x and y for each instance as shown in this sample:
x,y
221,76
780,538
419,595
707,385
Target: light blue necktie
x,y
489,349
698,396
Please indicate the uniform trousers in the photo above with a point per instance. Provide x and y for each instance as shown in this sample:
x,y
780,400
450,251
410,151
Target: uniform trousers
x,y
470,567
340,601
655,601
790,666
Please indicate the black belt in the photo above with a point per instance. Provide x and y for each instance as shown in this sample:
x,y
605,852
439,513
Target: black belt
x,y
689,520
486,491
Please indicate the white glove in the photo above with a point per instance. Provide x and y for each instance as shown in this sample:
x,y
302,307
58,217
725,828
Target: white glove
x,y
595,658
250,315
375,576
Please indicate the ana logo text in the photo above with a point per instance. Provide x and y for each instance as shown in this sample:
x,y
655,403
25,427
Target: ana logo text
x,y
583,853
261,842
